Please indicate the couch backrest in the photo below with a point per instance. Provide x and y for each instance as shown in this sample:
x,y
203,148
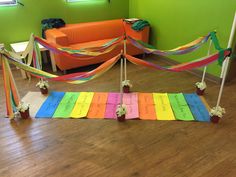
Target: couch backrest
x,y
92,31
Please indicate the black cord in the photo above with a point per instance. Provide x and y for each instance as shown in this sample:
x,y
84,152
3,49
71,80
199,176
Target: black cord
x,y
20,3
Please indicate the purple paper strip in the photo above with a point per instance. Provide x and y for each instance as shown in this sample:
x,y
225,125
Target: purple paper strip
x,y
110,111
113,98
130,98
132,111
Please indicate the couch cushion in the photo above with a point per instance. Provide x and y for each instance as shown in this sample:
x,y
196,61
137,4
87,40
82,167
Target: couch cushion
x,y
89,44
93,31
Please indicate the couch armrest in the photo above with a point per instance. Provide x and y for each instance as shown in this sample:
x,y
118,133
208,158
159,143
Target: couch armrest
x,y
140,35
57,37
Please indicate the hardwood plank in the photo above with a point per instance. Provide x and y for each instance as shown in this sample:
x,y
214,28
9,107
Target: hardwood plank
x,y
94,147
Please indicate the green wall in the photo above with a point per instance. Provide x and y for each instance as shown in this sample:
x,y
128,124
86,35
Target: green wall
x,y
176,22
173,22
17,22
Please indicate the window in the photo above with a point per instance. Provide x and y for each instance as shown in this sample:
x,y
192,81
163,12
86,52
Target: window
x,y
8,2
74,0
82,0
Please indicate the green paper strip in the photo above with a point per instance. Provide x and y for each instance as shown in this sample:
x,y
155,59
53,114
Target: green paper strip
x,y
180,107
66,105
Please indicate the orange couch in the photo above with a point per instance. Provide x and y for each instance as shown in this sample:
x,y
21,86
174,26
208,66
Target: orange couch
x,y
92,34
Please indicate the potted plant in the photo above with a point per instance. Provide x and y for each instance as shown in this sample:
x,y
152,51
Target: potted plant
x,y
120,112
43,85
23,109
126,86
216,114
201,86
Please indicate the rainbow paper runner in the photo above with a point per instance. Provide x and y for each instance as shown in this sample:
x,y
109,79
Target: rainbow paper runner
x,y
144,106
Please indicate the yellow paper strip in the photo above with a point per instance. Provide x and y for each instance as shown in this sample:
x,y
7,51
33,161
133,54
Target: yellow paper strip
x,y
82,105
163,107
85,97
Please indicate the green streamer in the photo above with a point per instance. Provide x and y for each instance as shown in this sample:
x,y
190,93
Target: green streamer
x,y
217,47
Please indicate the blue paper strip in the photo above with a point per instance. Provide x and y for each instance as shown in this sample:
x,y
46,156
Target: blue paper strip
x,y
197,107
50,105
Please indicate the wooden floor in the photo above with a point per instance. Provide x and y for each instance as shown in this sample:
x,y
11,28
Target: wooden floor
x,y
103,148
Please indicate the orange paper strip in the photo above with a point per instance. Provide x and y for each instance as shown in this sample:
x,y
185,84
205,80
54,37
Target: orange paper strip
x,y
146,106
98,107
100,98
96,111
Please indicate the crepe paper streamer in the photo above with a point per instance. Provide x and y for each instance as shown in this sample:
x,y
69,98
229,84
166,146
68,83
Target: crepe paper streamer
x,y
197,107
97,111
75,78
11,92
10,112
82,105
110,112
37,58
92,54
113,98
100,98
163,107
180,107
6,81
190,47
50,105
146,106
130,98
86,52
132,111
66,105
179,67
35,100
12,96
217,47
215,41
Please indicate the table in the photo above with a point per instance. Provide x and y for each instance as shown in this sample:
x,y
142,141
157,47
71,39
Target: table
x,y
20,47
